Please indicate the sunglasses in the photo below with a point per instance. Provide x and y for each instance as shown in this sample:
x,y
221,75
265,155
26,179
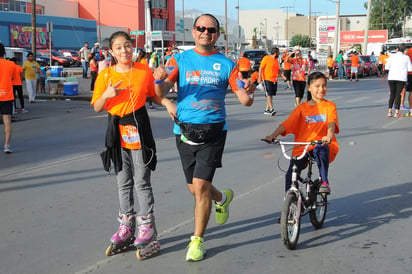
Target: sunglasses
x,y
203,29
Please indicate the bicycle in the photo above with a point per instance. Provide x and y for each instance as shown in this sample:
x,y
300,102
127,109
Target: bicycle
x,y
298,202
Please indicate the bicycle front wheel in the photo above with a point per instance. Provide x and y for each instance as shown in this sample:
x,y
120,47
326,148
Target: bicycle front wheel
x,y
317,212
290,222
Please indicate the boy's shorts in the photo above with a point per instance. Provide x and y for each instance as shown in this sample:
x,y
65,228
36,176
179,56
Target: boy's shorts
x,y
354,69
270,87
201,161
6,107
287,74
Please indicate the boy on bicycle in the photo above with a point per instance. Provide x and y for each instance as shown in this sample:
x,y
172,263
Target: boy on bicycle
x,y
316,119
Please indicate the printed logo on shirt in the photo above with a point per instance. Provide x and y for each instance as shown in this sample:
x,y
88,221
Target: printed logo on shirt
x,y
315,119
203,77
216,66
130,135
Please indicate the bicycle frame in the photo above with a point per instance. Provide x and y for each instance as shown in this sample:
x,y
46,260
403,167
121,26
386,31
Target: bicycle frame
x,y
296,179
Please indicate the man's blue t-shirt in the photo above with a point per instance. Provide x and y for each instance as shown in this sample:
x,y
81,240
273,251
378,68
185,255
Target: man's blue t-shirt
x,y
202,84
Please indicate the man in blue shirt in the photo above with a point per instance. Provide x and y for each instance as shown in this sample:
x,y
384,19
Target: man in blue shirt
x,y
203,75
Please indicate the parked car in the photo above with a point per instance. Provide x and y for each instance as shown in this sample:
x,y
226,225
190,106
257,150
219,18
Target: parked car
x,y
74,55
42,60
370,64
255,56
57,58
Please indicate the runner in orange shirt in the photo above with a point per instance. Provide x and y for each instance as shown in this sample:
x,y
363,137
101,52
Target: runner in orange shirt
x,y
268,75
330,62
287,68
354,66
8,72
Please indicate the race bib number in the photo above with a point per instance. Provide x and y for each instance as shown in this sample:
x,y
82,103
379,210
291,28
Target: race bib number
x,y
130,137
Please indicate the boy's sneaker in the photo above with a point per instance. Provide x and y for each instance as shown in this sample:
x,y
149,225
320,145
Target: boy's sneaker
x,y
7,149
267,112
272,112
397,115
324,188
23,110
404,107
222,211
196,249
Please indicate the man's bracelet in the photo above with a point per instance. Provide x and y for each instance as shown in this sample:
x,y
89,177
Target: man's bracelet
x,y
158,81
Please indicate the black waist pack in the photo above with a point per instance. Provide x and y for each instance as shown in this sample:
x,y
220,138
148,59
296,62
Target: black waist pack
x,y
201,133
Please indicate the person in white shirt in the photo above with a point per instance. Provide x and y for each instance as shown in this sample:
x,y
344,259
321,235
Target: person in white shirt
x,y
398,65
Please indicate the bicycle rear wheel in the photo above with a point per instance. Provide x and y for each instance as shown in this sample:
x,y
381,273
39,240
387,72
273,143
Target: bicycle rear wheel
x,y
317,212
290,222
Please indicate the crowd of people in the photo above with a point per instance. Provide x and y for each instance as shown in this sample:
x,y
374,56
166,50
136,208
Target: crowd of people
x,y
122,83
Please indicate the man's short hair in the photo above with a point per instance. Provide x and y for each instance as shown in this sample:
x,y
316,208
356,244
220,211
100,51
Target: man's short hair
x,y
30,54
210,15
274,50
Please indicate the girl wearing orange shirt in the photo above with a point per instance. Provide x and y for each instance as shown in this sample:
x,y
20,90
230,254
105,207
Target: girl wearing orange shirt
x,y
316,119
121,90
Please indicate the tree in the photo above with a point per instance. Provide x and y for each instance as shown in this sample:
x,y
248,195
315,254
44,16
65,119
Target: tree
x,y
299,40
390,15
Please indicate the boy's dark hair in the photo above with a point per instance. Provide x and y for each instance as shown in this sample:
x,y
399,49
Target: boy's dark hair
x,y
30,54
2,50
315,76
210,15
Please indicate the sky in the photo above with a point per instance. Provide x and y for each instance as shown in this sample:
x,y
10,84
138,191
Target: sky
x,y
319,7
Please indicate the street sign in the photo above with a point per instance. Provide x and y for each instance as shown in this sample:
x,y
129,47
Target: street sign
x,y
137,32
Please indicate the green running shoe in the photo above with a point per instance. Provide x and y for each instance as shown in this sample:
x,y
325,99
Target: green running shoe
x,y
222,211
196,249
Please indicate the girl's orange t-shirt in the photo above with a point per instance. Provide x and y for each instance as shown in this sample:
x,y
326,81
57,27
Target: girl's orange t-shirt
x,y
138,84
310,122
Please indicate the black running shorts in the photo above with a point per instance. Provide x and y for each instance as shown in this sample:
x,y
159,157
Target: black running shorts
x,y
6,107
201,161
270,87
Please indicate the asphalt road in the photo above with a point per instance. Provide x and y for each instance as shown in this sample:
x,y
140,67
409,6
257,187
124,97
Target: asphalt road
x,y
58,207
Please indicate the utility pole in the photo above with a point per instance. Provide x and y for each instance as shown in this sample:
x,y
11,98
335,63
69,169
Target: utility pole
x,y
368,16
33,27
148,26
99,33
183,22
287,24
226,33
310,24
337,29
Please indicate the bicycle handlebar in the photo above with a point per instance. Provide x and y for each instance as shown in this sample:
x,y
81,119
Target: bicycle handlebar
x,y
282,145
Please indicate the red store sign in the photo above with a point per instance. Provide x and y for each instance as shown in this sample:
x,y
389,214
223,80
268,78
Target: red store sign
x,y
374,36
160,14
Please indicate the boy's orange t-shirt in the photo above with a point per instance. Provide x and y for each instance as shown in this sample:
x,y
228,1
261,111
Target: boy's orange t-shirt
x,y
310,122
138,84
286,64
244,64
330,62
270,68
17,80
8,73
355,60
